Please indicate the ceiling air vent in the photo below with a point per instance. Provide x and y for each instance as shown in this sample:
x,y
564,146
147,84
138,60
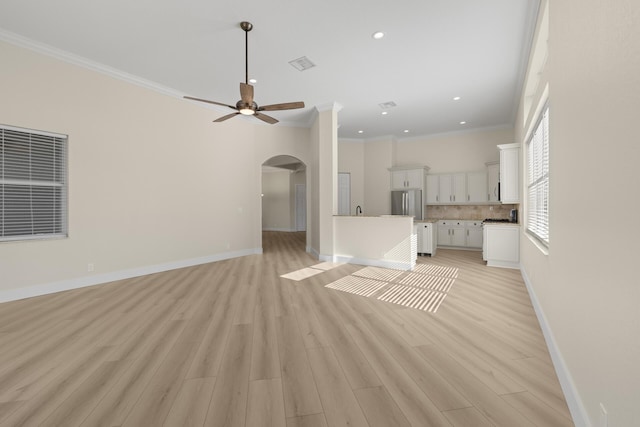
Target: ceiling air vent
x,y
302,63
387,105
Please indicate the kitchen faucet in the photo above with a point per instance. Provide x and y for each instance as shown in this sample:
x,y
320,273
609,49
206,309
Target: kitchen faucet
x,y
358,208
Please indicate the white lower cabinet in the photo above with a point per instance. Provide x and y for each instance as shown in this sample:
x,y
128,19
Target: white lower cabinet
x,y
451,233
474,234
427,238
501,245
460,234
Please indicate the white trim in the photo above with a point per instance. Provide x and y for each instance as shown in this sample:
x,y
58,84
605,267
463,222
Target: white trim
x,y
576,407
503,264
21,41
286,230
394,265
81,282
71,58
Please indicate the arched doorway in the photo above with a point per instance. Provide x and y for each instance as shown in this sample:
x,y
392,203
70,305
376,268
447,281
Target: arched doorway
x,y
284,196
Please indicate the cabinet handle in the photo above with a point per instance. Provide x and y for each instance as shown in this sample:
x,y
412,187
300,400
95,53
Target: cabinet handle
x,y
468,197
437,197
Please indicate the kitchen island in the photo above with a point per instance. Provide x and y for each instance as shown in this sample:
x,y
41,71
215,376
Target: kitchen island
x,y
388,241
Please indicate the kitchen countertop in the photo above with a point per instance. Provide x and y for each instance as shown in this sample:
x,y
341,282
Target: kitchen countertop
x,y
426,220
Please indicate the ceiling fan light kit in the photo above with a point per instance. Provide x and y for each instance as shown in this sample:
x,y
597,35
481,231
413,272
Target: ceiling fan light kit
x,y
246,105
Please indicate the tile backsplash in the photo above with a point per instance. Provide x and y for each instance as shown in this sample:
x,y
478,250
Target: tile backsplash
x,y
469,212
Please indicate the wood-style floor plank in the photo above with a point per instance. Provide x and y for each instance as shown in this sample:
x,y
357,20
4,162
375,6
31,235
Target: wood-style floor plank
x,y
232,343
191,405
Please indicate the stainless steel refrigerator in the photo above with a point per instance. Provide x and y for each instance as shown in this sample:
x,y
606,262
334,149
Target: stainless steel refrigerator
x,y
407,202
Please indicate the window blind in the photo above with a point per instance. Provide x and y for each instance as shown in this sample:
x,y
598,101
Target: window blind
x,y
33,184
538,179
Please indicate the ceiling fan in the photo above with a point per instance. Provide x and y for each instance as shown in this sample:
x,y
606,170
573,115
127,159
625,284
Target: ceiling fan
x,y
247,106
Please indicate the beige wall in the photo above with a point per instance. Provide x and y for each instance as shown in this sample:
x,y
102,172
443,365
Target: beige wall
x,y
454,152
153,183
351,160
378,157
587,285
368,161
276,200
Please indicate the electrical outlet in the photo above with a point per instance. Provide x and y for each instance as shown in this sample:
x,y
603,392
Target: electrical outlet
x,y
604,419
90,267
490,208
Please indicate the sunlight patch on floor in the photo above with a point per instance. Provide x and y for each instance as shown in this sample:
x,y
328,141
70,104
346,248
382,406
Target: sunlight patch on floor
x,y
424,288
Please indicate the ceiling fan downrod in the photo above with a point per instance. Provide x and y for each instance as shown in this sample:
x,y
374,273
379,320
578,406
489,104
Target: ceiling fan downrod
x,y
246,26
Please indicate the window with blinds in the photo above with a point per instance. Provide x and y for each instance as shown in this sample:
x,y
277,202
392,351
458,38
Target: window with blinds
x,y
33,184
538,179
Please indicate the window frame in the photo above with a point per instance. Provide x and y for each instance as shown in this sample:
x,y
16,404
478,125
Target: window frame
x,y
538,179
33,185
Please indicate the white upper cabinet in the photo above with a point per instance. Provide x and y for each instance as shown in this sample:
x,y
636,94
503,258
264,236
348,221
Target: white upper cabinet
x,y
453,188
493,181
433,189
402,179
509,173
476,187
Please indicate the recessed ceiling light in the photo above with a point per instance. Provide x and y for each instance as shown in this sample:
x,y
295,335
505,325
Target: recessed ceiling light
x,y
254,81
378,35
360,131
456,98
384,113
462,123
406,131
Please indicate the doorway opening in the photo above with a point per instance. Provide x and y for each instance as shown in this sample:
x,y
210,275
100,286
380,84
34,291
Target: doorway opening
x,y
284,199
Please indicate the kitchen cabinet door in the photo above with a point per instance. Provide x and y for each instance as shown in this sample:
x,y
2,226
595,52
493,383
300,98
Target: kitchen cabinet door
x,y
444,236
502,245
452,188
473,234
407,178
426,239
415,178
458,237
433,189
451,233
493,180
476,187
509,173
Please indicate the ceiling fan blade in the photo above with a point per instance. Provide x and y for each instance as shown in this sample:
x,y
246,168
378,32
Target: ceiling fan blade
x,y
223,118
209,102
265,118
246,93
283,106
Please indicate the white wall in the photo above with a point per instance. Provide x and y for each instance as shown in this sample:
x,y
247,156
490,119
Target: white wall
x,y
587,285
378,157
276,200
153,183
453,152
351,160
368,161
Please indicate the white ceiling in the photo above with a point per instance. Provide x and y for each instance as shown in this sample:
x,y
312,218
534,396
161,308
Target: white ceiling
x,y
433,51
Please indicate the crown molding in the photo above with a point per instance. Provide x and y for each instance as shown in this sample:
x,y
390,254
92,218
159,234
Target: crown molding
x,y
71,58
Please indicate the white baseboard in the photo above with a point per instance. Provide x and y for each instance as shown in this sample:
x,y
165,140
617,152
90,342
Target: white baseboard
x,y
287,230
576,407
81,282
394,265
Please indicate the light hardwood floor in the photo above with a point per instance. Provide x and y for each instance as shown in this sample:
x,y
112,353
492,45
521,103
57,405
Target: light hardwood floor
x,y
233,344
